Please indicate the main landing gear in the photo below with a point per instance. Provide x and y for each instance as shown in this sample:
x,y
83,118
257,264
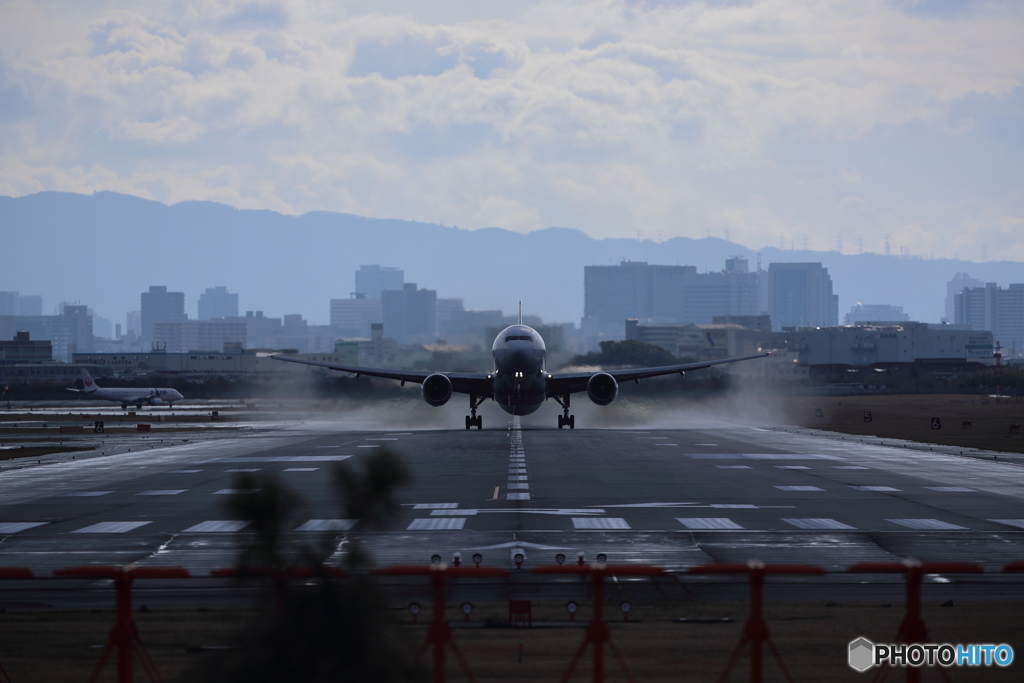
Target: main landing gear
x,y
474,420
565,419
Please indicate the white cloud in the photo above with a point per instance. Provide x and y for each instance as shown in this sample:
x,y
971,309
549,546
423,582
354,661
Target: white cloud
x,y
608,115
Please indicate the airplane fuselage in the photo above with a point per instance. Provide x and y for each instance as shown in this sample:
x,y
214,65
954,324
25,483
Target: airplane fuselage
x,y
520,370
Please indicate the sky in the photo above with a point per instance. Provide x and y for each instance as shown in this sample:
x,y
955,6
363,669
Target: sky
x,y
816,124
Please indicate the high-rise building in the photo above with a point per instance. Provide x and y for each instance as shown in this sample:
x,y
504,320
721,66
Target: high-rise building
x,y
354,317
160,306
195,335
217,302
410,314
671,294
956,286
800,295
372,280
14,303
993,308
8,303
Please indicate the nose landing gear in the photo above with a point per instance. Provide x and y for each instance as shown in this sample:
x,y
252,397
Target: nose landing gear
x,y
474,420
565,419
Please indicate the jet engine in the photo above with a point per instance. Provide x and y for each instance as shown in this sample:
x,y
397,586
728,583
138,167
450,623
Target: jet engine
x,y
436,389
602,388
155,402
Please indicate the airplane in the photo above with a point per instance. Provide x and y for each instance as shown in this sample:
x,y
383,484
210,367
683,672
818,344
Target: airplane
x,y
149,396
520,382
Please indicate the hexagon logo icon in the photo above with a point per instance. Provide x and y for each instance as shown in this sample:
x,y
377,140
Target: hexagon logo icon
x,y
862,654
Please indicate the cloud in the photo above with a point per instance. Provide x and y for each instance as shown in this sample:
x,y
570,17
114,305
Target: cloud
x,y
613,116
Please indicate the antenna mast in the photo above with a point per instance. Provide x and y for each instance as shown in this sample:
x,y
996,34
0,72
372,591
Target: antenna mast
x,y
520,312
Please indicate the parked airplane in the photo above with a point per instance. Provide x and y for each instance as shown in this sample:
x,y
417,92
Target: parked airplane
x,y
520,383
149,396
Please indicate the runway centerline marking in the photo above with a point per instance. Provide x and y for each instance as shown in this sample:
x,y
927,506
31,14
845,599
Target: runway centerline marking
x,y
517,475
301,469
184,471
435,506
951,489
86,494
162,492
733,467
816,523
799,488
879,489
708,523
230,492
599,523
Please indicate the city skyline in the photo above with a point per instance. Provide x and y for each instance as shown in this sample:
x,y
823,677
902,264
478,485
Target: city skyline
x,y
889,127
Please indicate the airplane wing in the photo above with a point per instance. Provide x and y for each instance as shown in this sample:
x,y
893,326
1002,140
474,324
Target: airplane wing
x,y
462,382
573,382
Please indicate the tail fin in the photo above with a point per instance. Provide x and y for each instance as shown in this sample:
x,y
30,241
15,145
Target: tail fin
x,y
88,385
520,312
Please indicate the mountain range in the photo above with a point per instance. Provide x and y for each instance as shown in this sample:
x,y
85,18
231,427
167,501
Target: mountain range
x,y
104,249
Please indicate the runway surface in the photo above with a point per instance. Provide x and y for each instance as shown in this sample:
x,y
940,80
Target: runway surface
x,y
675,498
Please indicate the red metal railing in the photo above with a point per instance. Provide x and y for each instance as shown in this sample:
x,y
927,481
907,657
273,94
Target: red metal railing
x,y
125,639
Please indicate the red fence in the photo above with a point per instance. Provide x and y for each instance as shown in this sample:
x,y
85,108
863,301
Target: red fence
x,y
125,639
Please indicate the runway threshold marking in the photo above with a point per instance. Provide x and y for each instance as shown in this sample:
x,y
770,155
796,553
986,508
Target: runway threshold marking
x,y
799,488
15,527
951,489
328,525
926,524
86,494
816,523
600,523
217,526
437,524
1019,523
708,523
517,476
110,527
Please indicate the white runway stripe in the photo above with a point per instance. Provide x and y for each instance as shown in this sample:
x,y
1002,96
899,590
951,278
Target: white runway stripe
x,y
437,523
250,469
708,523
798,488
816,523
110,527
15,527
435,506
518,487
86,494
599,523
951,489
735,506
733,467
874,488
925,524
517,496
451,513
222,526
518,477
849,467
793,467
301,469
231,492
280,458
328,525
184,471
1019,523
162,492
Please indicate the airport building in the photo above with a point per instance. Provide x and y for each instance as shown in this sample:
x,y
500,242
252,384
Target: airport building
x,y
882,344
868,313
23,349
217,302
993,308
800,295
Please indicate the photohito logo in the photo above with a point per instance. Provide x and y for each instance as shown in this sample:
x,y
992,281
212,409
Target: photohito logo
x,y
863,654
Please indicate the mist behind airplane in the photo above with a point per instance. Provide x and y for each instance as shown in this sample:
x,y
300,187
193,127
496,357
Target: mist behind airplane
x,y
519,381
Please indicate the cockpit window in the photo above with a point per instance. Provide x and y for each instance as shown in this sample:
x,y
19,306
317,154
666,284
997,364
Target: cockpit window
x,y
516,337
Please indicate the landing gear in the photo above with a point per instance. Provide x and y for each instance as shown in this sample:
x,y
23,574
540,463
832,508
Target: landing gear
x,y
565,419
124,406
474,420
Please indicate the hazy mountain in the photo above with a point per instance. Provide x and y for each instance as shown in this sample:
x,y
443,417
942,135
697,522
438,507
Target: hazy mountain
x,y
105,249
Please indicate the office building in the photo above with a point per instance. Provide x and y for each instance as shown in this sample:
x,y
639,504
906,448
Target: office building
x,y
14,303
670,294
867,313
800,295
217,302
372,280
353,317
955,286
196,335
993,308
160,306
410,314
23,349
68,333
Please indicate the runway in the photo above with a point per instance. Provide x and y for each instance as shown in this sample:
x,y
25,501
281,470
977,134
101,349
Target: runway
x,y
676,498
